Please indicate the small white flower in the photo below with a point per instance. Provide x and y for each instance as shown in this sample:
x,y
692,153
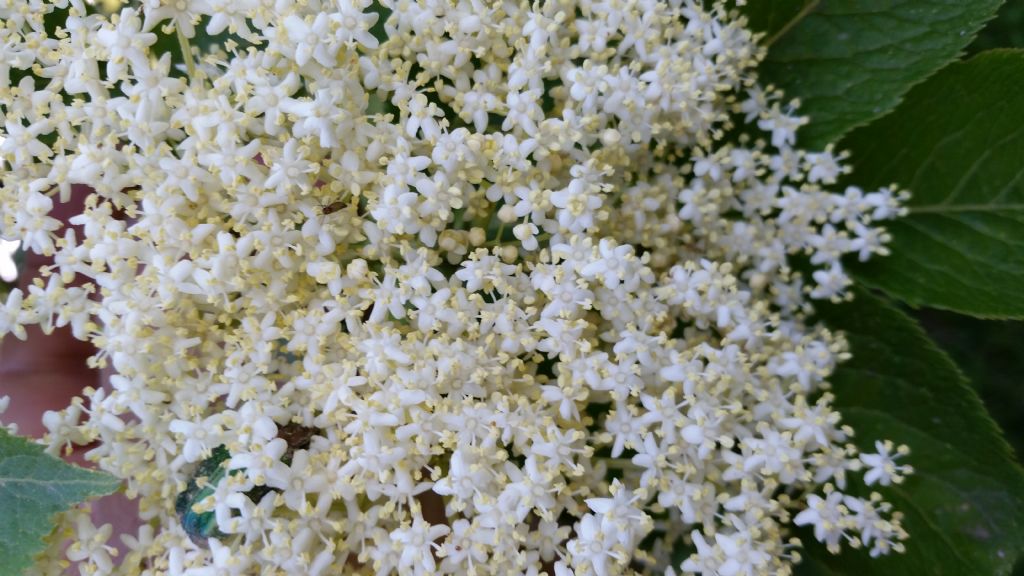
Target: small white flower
x,y
418,543
12,316
353,24
90,545
309,38
882,467
421,118
828,517
611,266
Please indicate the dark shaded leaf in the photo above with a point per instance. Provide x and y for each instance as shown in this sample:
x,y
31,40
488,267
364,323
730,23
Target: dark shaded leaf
x,y
775,17
851,61
963,506
957,143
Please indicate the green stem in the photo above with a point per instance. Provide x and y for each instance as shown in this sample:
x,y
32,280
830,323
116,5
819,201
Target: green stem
x,y
457,220
186,53
792,22
943,208
618,463
541,239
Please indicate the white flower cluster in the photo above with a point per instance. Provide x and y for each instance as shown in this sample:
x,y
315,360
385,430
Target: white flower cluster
x,y
522,277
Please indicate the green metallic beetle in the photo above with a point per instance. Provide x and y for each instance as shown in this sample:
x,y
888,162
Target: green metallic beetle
x,y
201,526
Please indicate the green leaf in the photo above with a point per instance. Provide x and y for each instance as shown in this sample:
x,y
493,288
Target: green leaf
x,y
851,61
1005,31
775,17
957,143
963,506
33,487
988,353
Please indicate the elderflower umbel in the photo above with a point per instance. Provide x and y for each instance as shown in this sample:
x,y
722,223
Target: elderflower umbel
x,y
531,266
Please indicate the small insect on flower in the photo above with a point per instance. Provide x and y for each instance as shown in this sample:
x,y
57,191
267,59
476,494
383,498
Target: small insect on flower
x,y
328,209
297,436
332,207
201,525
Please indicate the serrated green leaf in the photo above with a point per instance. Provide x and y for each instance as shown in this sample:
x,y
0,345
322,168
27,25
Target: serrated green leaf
x,y
1005,31
988,353
851,61
957,143
964,505
33,487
